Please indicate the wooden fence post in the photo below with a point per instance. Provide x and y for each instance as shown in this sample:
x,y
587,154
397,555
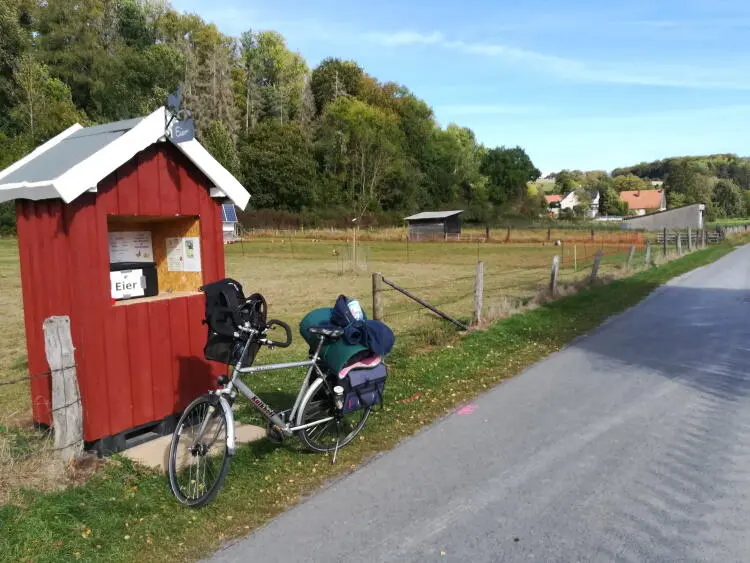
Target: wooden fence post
x,y
678,243
648,254
630,257
690,239
553,275
377,298
597,262
67,417
704,241
478,294
664,241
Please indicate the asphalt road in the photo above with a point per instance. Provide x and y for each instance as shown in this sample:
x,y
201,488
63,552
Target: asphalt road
x,y
632,444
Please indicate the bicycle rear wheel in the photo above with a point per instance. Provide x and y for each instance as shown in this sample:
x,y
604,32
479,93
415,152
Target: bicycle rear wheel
x,y
199,464
318,405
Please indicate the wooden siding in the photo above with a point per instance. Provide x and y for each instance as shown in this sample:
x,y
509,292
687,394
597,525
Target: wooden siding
x,y
136,363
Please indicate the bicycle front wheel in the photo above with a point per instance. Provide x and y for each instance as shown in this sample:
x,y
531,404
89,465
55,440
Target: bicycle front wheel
x,y
319,405
198,456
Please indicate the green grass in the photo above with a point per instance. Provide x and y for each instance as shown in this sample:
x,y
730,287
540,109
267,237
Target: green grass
x,y
729,222
126,514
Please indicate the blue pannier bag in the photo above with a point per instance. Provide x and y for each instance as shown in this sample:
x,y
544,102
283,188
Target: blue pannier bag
x,y
363,387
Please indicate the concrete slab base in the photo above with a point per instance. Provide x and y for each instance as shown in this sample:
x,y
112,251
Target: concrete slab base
x,y
155,453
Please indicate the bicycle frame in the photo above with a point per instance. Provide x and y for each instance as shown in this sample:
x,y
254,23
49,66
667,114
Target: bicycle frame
x,y
282,420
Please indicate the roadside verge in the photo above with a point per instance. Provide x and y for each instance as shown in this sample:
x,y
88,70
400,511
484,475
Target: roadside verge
x,y
126,513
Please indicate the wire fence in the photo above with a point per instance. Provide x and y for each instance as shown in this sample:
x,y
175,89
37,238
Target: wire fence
x,y
22,442
505,290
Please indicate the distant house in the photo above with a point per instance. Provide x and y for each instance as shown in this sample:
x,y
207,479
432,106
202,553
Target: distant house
x,y
656,183
574,199
642,202
553,204
229,222
434,225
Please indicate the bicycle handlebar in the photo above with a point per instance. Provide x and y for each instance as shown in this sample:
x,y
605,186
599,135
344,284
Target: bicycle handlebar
x,y
272,323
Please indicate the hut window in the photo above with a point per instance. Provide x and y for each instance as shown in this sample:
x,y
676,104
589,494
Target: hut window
x,y
153,257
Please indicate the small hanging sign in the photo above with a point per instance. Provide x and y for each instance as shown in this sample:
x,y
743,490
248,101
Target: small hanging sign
x,y
125,284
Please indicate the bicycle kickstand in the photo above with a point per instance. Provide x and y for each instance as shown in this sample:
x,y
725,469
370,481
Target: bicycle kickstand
x,y
338,439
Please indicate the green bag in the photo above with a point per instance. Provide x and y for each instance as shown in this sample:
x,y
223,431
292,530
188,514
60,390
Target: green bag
x,y
335,355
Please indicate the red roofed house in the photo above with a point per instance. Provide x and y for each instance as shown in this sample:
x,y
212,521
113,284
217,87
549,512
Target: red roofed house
x,y
645,201
553,204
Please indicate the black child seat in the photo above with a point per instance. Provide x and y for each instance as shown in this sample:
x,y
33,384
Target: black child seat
x,y
227,309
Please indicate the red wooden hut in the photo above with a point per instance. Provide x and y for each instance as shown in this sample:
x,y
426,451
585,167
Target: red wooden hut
x,y
118,227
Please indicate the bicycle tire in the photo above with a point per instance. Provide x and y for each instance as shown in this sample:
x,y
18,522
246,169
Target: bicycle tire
x,y
175,472
306,415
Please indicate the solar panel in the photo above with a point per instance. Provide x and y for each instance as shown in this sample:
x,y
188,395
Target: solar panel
x,y
230,213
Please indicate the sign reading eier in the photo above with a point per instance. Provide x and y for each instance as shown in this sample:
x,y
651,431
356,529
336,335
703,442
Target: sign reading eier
x,y
127,283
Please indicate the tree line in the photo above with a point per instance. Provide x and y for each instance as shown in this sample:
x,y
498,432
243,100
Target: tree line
x,y
312,145
721,182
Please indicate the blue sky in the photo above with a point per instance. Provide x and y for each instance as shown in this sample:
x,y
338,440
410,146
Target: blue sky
x,y
579,84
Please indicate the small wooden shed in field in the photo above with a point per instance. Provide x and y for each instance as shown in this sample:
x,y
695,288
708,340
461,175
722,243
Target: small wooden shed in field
x,y
118,227
434,225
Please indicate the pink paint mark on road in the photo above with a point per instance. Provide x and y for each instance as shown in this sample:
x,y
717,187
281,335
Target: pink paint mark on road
x,y
467,410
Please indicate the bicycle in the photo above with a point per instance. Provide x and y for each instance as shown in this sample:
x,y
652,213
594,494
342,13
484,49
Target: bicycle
x,y
206,427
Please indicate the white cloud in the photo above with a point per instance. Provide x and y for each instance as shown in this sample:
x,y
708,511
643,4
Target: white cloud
x,y
487,109
403,38
636,73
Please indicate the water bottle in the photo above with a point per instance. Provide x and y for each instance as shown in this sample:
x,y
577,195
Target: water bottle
x,y
338,394
355,309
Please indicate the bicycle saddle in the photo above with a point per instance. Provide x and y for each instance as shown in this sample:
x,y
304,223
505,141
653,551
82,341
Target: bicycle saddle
x,y
328,332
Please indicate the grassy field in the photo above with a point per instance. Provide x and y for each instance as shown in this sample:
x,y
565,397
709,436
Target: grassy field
x,y
124,513
297,276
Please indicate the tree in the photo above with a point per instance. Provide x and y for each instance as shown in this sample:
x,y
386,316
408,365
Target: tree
x,y
333,78
365,141
31,79
275,79
567,181
630,183
45,106
279,168
218,141
728,199
13,42
610,202
508,172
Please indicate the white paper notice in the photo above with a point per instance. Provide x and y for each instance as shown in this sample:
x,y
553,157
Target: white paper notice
x,y
192,249
130,246
184,254
175,259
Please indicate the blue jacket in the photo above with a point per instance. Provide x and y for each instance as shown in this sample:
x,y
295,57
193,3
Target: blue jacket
x,y
374,335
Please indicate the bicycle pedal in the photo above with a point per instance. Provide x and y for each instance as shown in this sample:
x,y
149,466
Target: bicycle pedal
x,y
274,434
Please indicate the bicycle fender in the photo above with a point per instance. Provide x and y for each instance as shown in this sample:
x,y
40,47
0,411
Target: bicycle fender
x,y
230,423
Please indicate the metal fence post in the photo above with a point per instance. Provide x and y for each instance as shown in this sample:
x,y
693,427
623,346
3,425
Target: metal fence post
x,y
690,239
377,299
679,244
478,294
